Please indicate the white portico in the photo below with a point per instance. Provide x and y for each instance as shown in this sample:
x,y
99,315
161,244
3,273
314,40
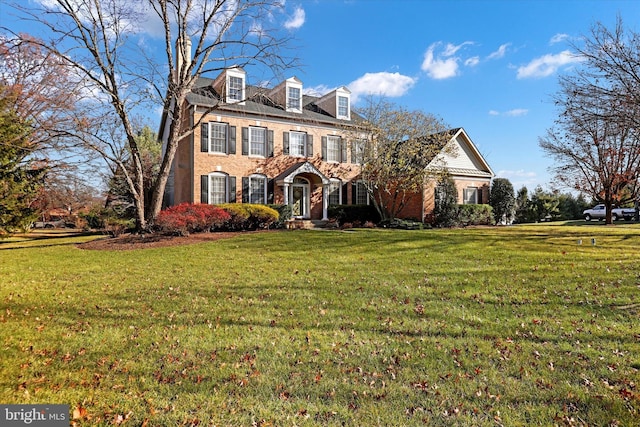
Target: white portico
x,y
298,183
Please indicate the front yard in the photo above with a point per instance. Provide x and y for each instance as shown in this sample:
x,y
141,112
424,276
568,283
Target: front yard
x,y
491,326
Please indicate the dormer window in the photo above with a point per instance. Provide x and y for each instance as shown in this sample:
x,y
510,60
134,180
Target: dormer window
x,y
293,99
236,85
343,107
235,80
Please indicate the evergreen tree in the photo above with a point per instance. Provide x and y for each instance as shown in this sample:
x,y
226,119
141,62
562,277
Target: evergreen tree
x,y
502,200
20,177
445,208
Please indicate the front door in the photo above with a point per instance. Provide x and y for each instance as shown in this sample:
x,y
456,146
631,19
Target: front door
x,y
300,198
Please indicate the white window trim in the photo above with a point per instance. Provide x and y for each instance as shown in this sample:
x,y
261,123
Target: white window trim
x,y
264,187
226,135
291,85
240,75
348,98
338,182
475,191
226,186
337,139
304,143
264,142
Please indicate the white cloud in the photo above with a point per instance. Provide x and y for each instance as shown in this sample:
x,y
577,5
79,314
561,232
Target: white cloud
x,y
558,38
297,20
444,65
472,62
520,178
546,65
516,112
383,83
502,50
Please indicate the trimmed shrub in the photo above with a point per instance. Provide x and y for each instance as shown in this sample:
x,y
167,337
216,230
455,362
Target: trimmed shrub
x,y
188,218
474,215
285,212
354,214
247,216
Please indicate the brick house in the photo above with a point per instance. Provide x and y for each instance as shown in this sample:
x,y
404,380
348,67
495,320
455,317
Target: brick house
x,y
258,145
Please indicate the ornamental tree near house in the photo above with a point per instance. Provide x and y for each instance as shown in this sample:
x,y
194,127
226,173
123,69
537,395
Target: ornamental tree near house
x,y
105,44
596,138
395,146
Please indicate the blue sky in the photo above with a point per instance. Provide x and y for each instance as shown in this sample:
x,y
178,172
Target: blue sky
x,y
490,66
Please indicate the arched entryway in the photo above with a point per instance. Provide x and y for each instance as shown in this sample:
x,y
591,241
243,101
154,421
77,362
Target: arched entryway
x,y
300,184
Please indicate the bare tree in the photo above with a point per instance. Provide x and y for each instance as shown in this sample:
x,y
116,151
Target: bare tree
x,y
396,147
595,141
101,42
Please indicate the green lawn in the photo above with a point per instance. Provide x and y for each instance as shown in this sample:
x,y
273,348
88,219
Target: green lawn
x,y
490,326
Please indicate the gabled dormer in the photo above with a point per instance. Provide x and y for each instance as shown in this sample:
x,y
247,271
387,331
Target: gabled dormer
x,y
337,103
231,85
288,94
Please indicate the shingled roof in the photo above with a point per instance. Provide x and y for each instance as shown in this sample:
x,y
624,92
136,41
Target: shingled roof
x,y
258,103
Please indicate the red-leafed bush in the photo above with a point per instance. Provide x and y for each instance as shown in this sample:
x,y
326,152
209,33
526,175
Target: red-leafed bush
x,y
188,218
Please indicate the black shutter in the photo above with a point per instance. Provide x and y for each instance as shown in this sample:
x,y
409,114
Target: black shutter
x,y
345,200
270,188
324,148
245,141
285,143
231,140
204,188
343,148
232,189
353,192
245,189
309,145
269,143
204,137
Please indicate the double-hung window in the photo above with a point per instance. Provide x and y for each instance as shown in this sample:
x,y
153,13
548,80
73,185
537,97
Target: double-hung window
x,y
334,190
254,189
357,152
217,189
361,196
293,99
257,141
470,195
343,107
334,149
218,138
297,144
236,88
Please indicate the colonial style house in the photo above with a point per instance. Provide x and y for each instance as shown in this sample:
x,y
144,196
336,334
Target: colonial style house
x,y
278,145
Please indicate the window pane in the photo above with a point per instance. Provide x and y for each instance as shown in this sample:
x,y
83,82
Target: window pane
x,y
235,88
333,149
218,138
257,187
334,193
217,188
294,98
297,143
471,195
257,141
343,106
358,152
361,194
